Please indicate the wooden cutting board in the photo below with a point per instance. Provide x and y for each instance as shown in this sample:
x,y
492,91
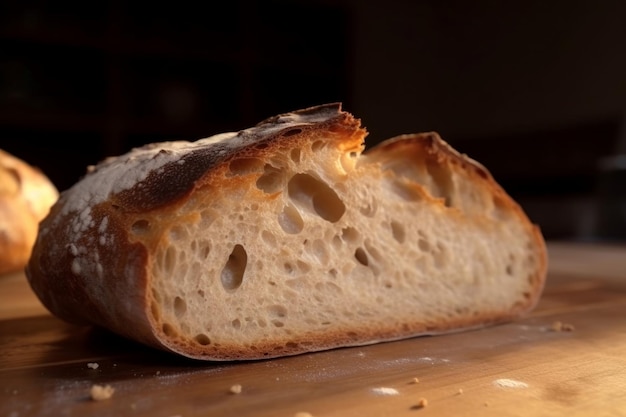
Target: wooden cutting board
x,y
525,368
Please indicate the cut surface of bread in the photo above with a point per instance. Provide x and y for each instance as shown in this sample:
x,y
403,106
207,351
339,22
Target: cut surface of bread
x,y
287,238
26,195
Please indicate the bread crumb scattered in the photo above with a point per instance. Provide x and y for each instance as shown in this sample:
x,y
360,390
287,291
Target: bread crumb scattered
x,y
101,392
303,414
415,381
235,389
422,403
559,326
460,391
93,365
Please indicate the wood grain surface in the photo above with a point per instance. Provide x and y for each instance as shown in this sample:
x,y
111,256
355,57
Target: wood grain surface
x,y
524,368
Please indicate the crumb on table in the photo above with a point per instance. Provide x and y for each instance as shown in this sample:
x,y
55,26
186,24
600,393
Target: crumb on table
x,y
93,365
235,389
559,326
415,380
101,392
303,414
422,403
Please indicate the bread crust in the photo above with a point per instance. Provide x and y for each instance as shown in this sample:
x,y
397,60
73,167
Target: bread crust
x,y
91,261
26,194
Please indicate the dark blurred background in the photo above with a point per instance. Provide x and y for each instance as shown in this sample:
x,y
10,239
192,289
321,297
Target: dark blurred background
x,y
535,90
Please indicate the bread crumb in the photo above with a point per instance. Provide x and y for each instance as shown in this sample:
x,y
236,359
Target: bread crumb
x,y
302,414
235,389
93,365
422,403
415,381
460,391
101,392
559,326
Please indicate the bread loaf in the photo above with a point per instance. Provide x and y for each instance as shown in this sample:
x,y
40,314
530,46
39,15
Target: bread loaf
x,y
285,238
26,195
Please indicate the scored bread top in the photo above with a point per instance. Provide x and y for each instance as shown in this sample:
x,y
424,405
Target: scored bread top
x,y
159,173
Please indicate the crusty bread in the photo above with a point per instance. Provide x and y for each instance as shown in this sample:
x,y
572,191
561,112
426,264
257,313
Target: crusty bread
x,y
284,238
26,195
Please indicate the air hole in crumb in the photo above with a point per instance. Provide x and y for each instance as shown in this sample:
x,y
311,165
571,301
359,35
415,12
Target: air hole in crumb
x,y
350,235
398,232
277,310
232,274
303,266
291,345
509,269
442,179
236,324
154,309
169,260
317,145
292,132
316,196
268,237
361,256
168,330
245,166
180,306
290,220
424,245
295,155
271,181
203,249
203,339
348,161
278,323
140,227
288,267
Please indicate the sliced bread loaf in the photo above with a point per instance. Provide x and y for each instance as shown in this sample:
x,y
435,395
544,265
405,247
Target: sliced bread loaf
x,y
285,238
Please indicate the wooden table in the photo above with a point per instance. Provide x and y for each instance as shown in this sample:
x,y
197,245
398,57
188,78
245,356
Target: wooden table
x,y
523,368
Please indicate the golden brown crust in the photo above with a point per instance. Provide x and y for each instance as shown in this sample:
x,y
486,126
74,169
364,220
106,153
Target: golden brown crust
x,y
90,262
26,195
